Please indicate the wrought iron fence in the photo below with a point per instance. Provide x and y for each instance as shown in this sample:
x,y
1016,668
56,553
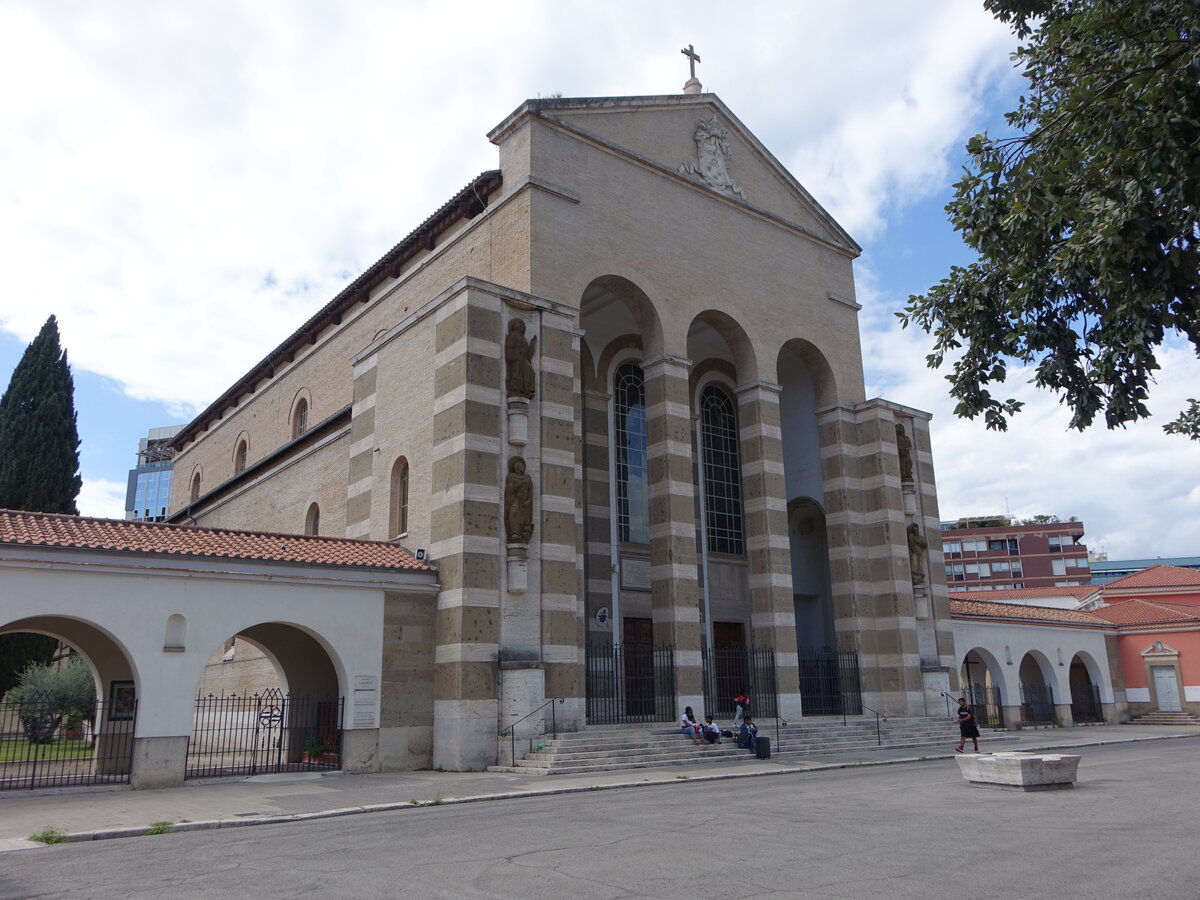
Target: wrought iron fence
x,y
268,732
43,745
830,684
630,682
1085,703
736,669
1037,704
988,705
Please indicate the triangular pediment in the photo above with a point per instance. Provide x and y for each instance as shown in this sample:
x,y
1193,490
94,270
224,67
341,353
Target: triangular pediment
x,y
694,137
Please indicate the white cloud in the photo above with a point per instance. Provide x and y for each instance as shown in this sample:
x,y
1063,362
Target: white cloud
x,y
102,498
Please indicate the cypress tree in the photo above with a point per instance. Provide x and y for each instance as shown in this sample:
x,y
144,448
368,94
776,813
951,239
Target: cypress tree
x,y
39,441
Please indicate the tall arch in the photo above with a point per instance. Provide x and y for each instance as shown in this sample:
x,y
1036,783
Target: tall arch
x,y
398,499
240,452
300,414
714,335
312,520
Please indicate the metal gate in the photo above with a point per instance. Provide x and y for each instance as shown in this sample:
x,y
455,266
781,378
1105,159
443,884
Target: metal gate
x,y
732,670
630,683
42,745
986,701
1037,704
268,732
1085,703
829,684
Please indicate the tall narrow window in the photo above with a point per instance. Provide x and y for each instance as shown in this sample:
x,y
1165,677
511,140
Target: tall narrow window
x,y
629,444
312,521
239,458
399,507
195,487
300,418
722,471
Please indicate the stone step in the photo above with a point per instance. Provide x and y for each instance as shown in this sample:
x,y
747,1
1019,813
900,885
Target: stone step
x,y
1161,717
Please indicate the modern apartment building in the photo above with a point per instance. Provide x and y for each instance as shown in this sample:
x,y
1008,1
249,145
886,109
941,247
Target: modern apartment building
x,y
990,553
148,495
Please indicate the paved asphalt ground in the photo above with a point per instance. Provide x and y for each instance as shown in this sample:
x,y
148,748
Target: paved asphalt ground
x,y
907,830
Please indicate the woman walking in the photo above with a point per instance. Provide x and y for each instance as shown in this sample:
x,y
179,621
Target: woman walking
x,y
966,726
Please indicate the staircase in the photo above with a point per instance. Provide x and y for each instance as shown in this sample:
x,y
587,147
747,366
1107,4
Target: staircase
x,y
1159,717
605,748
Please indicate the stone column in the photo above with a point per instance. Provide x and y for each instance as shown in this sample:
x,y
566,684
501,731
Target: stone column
x,y
466,542
673,567
773,614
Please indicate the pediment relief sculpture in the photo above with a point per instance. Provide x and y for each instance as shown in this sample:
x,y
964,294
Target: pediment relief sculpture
x,y
712,159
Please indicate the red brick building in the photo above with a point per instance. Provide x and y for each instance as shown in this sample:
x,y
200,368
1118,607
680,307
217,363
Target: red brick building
x,y
988,553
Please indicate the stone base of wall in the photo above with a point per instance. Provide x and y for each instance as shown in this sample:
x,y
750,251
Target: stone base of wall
x,y
158,762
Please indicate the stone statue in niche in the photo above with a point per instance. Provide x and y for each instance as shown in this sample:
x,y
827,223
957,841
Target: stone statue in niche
x,y
904,449
518,361
518,503
712,153
917,545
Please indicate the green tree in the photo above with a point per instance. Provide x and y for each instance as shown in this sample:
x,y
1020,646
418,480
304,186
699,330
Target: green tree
x,y
39,441
49,692
1084,219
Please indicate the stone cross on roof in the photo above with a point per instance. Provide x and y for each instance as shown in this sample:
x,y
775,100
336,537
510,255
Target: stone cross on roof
x,y
692,86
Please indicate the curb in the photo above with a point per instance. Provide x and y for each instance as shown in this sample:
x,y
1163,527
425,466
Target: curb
x,y
105,834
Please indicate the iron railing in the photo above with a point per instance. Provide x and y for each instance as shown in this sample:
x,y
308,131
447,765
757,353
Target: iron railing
x,y
1037,704
511,730
268,732
1085,703
43,745
734,670
630,683
830,684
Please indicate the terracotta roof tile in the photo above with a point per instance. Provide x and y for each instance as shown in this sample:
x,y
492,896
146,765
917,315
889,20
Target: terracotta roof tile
x,y
1146,612
1020,611
1078,591
48,530
1157,576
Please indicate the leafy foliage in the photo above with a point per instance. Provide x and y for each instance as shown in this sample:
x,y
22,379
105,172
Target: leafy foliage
x,y
1085,220
39,440
67,689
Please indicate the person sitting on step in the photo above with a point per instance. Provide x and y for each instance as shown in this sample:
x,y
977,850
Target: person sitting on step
x,y
689,726
712,731
748,735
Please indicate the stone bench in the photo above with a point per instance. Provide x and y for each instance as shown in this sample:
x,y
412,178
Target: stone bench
x,y
1020,771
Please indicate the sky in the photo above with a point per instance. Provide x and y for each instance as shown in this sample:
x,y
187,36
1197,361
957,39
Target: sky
x,y
185,181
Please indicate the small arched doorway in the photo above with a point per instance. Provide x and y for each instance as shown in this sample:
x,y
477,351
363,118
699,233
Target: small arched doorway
x,y
1037,691
1085,690
268,701
981,681
72,721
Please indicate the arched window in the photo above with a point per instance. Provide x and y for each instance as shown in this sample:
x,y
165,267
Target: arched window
x,y
312,521
195,487
398,517
629,446
239,458
300,418
722,471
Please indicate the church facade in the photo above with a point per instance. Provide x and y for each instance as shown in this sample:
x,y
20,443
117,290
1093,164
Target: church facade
x,y
613,390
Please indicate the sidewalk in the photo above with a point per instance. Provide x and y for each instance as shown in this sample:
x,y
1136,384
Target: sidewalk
x,y
269,799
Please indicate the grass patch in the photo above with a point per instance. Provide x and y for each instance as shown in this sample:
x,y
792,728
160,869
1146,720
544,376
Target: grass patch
x,y
682,777
48,834
437,801
159,828
23,751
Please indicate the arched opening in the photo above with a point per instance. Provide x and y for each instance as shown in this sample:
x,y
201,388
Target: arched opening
x,y
981,682
1085,689
300,418
1037,689
312,520
812,593
194,494
267,701
629,451
71,720
239,457
398,500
